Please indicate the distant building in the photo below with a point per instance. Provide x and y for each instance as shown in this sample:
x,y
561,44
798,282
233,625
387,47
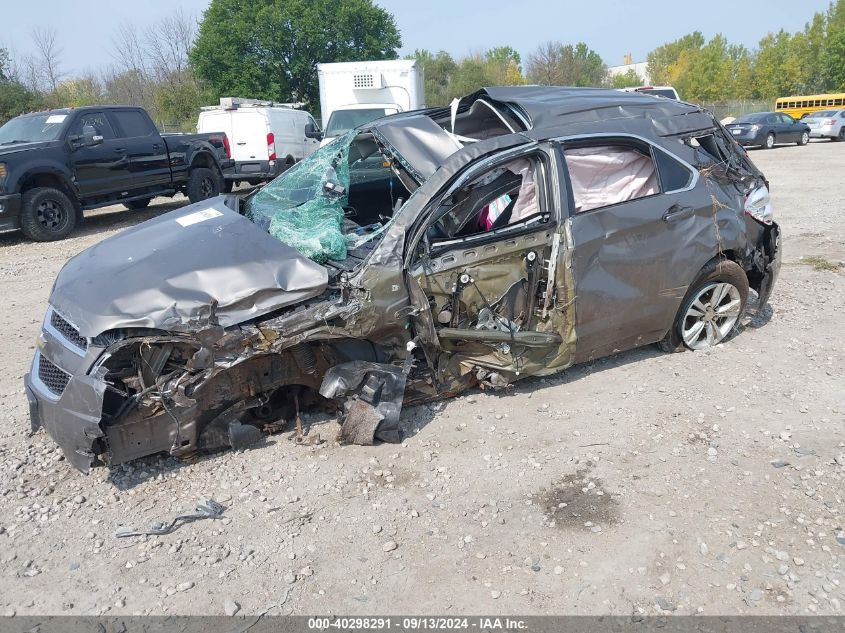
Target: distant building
x,y
641,68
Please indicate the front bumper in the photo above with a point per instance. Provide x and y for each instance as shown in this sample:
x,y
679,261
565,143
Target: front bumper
x,y
10,211
72,419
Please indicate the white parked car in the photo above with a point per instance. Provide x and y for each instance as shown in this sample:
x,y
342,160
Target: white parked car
x,y
826,124
266,137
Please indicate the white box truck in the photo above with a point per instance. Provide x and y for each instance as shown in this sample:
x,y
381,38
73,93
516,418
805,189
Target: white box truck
x,y
354,93
266,137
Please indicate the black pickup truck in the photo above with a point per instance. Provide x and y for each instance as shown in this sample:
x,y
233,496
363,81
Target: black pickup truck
x,y
57,163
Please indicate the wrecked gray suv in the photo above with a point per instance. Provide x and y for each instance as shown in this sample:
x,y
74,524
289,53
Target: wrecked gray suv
x,y
513,234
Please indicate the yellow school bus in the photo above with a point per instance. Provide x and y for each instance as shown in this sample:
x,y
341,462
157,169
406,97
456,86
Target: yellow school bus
x,y
798,107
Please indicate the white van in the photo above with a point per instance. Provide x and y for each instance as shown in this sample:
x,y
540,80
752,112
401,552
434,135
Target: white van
x,y
266,137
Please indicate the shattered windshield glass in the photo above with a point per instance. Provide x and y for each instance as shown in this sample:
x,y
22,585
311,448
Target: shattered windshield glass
x,y
334,201
304,207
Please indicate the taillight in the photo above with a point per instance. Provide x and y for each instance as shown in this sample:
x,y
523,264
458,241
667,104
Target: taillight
x,y
829,122
758,205
271,146
227,147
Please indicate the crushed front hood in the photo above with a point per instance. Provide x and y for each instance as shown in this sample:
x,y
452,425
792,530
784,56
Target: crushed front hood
x,y
185,270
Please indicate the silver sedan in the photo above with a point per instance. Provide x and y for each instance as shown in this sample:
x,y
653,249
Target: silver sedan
x,y
826,124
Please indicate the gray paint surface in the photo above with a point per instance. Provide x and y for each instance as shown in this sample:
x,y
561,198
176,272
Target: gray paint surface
x,y
162,274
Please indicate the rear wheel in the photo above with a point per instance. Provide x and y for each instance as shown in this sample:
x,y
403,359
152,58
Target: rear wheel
x,y
136,205
47,214
770,140
711,309
805,138
203,183
841,135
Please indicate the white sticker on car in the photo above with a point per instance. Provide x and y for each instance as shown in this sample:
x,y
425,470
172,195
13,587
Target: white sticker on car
x,y
56,118
199,216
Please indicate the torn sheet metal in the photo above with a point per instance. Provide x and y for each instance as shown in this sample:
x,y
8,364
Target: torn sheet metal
x,y
221,270
553,110
377,392
422,144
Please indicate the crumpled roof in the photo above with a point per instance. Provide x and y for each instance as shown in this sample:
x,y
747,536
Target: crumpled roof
x,y
553,109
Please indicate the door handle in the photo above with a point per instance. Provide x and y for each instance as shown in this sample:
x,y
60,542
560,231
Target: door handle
x,y
120,150
677,212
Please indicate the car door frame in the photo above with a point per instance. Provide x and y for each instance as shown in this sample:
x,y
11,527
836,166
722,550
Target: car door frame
x,y
616,306
149,162
794,127
84,158
550,349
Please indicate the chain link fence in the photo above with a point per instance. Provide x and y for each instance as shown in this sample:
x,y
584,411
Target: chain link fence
x,y
738,107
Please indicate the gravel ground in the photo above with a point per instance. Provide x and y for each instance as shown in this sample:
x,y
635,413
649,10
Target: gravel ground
x,y
708,482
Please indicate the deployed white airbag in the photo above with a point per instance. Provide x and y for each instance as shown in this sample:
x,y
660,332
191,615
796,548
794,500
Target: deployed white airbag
x,y
603,176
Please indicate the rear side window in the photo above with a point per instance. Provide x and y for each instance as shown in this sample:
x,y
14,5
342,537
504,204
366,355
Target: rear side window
x,y
133,123
674,175
606,175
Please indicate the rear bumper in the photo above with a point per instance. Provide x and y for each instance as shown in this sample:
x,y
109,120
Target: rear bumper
x,y
823,132
747,140
767,261
10,211
253,170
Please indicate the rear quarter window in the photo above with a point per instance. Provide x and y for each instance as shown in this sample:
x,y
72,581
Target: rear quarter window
x,y
133,123
673,174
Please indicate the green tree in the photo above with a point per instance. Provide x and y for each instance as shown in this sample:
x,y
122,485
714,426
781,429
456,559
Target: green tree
x,y
556,64
269,48
664,61
439,69
503,55
704,74
178,102
777,71
15,98
628,79
76,92
833,55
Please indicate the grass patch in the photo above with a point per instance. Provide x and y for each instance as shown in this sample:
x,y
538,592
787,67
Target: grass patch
x,y
819,263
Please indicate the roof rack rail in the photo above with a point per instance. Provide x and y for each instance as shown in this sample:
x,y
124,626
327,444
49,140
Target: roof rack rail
x,y
232,103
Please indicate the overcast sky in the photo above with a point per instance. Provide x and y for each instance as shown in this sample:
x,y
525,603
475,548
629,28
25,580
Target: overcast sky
x,y
611,27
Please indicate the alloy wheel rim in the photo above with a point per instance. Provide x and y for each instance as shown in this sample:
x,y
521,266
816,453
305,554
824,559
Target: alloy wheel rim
x,y
805,138
711,315
52,216
207,187
770,141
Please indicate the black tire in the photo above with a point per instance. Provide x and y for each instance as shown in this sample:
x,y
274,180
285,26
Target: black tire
x,y
47,214
136,205
203,183
841,135
227,186
805,138
769,144
718,270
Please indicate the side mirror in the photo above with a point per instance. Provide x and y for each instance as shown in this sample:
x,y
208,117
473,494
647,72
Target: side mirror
x,y
311,131
90,137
